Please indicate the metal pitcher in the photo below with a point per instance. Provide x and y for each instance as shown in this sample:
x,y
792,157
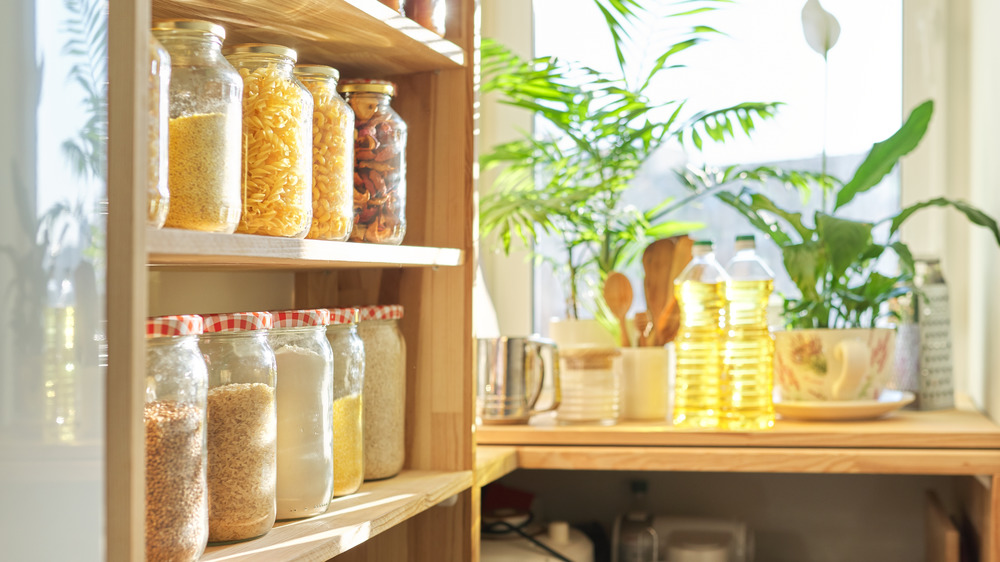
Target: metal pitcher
x,y
510,372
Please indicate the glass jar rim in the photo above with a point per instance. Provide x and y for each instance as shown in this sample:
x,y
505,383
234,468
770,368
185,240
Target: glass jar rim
x,y
190,25
316,72
261,49
368,86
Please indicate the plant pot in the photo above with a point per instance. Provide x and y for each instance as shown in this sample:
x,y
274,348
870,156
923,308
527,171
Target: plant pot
x,y
573,332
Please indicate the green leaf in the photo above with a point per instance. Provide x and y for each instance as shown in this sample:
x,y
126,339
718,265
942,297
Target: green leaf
x,y
804,264
974,215
844,241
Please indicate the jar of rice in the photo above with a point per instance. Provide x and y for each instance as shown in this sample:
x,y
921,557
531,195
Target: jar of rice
x,y
384,390
242,425
277,142
174,416
333,154
348,408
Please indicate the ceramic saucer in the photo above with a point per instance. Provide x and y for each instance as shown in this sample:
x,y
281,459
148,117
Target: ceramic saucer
x,y
830,410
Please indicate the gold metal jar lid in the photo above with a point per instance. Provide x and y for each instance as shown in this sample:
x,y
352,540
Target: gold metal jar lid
x,y
316,71
261,48
190,25
366,85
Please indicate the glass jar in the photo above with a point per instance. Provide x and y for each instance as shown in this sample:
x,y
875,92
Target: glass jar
x,y
277,142
333,155
397,5
428,13
205,136
379,162
590,380
174,416
157,195
242,426
384,390
305,412
348,407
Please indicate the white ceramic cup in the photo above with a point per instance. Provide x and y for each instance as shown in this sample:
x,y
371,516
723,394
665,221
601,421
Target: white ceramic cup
x,y
833,364
645,383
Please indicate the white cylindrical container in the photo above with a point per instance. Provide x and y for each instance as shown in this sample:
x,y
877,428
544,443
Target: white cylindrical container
x,y
645,383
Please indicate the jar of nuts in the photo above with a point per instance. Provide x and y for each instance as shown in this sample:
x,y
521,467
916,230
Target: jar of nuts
x,y
348,406
333,154
384,390
174,415
242,425
379,162
277,142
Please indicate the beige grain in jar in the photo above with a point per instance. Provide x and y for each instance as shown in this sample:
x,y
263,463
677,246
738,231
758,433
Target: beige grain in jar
x,y
333,154
277,142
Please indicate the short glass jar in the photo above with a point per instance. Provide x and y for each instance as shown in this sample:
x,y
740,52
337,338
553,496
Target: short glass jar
x,y
174,416
384,390
157,194
379,162
348,404
205,135
333,154
242,425
277,142
590,385
304,361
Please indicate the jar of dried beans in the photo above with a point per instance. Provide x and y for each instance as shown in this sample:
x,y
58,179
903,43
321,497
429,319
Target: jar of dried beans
x,y
157,196
379,162
305,412
174,415
384,390
205,134
242,425
348,410
277,142
333,154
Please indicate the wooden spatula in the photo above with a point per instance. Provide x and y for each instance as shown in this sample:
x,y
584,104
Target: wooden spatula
x,y
657,260
669,320
618,296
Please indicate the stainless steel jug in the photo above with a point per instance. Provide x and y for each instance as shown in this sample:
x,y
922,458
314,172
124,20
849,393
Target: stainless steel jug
x,y
510,373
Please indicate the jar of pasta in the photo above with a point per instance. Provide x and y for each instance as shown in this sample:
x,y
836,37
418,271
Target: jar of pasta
x,y
174,416
333,154
157,196
204,131
379,162
242,425
277,142
348,407
305,412
384,390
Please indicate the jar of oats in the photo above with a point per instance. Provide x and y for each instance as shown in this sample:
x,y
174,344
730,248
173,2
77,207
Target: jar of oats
x,y
157,195
277,142
379,162
348,408
384,390
305,412
204,131
333,154
242,425
174,416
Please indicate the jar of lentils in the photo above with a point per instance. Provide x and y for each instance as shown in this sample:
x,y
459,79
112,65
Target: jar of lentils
x,y
348,405
379,162
174,415
242,425
277,142
333,154
384,390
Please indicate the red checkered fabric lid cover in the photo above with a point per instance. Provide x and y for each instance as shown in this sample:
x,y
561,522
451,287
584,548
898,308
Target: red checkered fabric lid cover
x,y
171,326
237,322
347,315
382,312
301,318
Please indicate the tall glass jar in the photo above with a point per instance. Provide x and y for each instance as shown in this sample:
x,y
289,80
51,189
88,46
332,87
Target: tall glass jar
x,y
277,142
379,162
348,406
333,154
157,195
242,425
428,13
205,128
174,415
305,412
384,390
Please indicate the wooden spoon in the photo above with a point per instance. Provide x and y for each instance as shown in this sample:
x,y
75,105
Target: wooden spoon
x,y
656,263
618,296
643,328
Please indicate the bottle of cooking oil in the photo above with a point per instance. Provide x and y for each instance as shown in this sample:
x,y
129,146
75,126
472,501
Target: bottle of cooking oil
x,y
700,293
748,358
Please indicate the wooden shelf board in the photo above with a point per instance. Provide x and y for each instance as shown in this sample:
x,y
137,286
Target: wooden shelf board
x,y
361,38
946,429
207,250
494,462
350,520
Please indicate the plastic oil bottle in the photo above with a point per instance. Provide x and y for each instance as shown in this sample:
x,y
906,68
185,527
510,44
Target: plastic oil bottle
x,y
748,359
700,294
